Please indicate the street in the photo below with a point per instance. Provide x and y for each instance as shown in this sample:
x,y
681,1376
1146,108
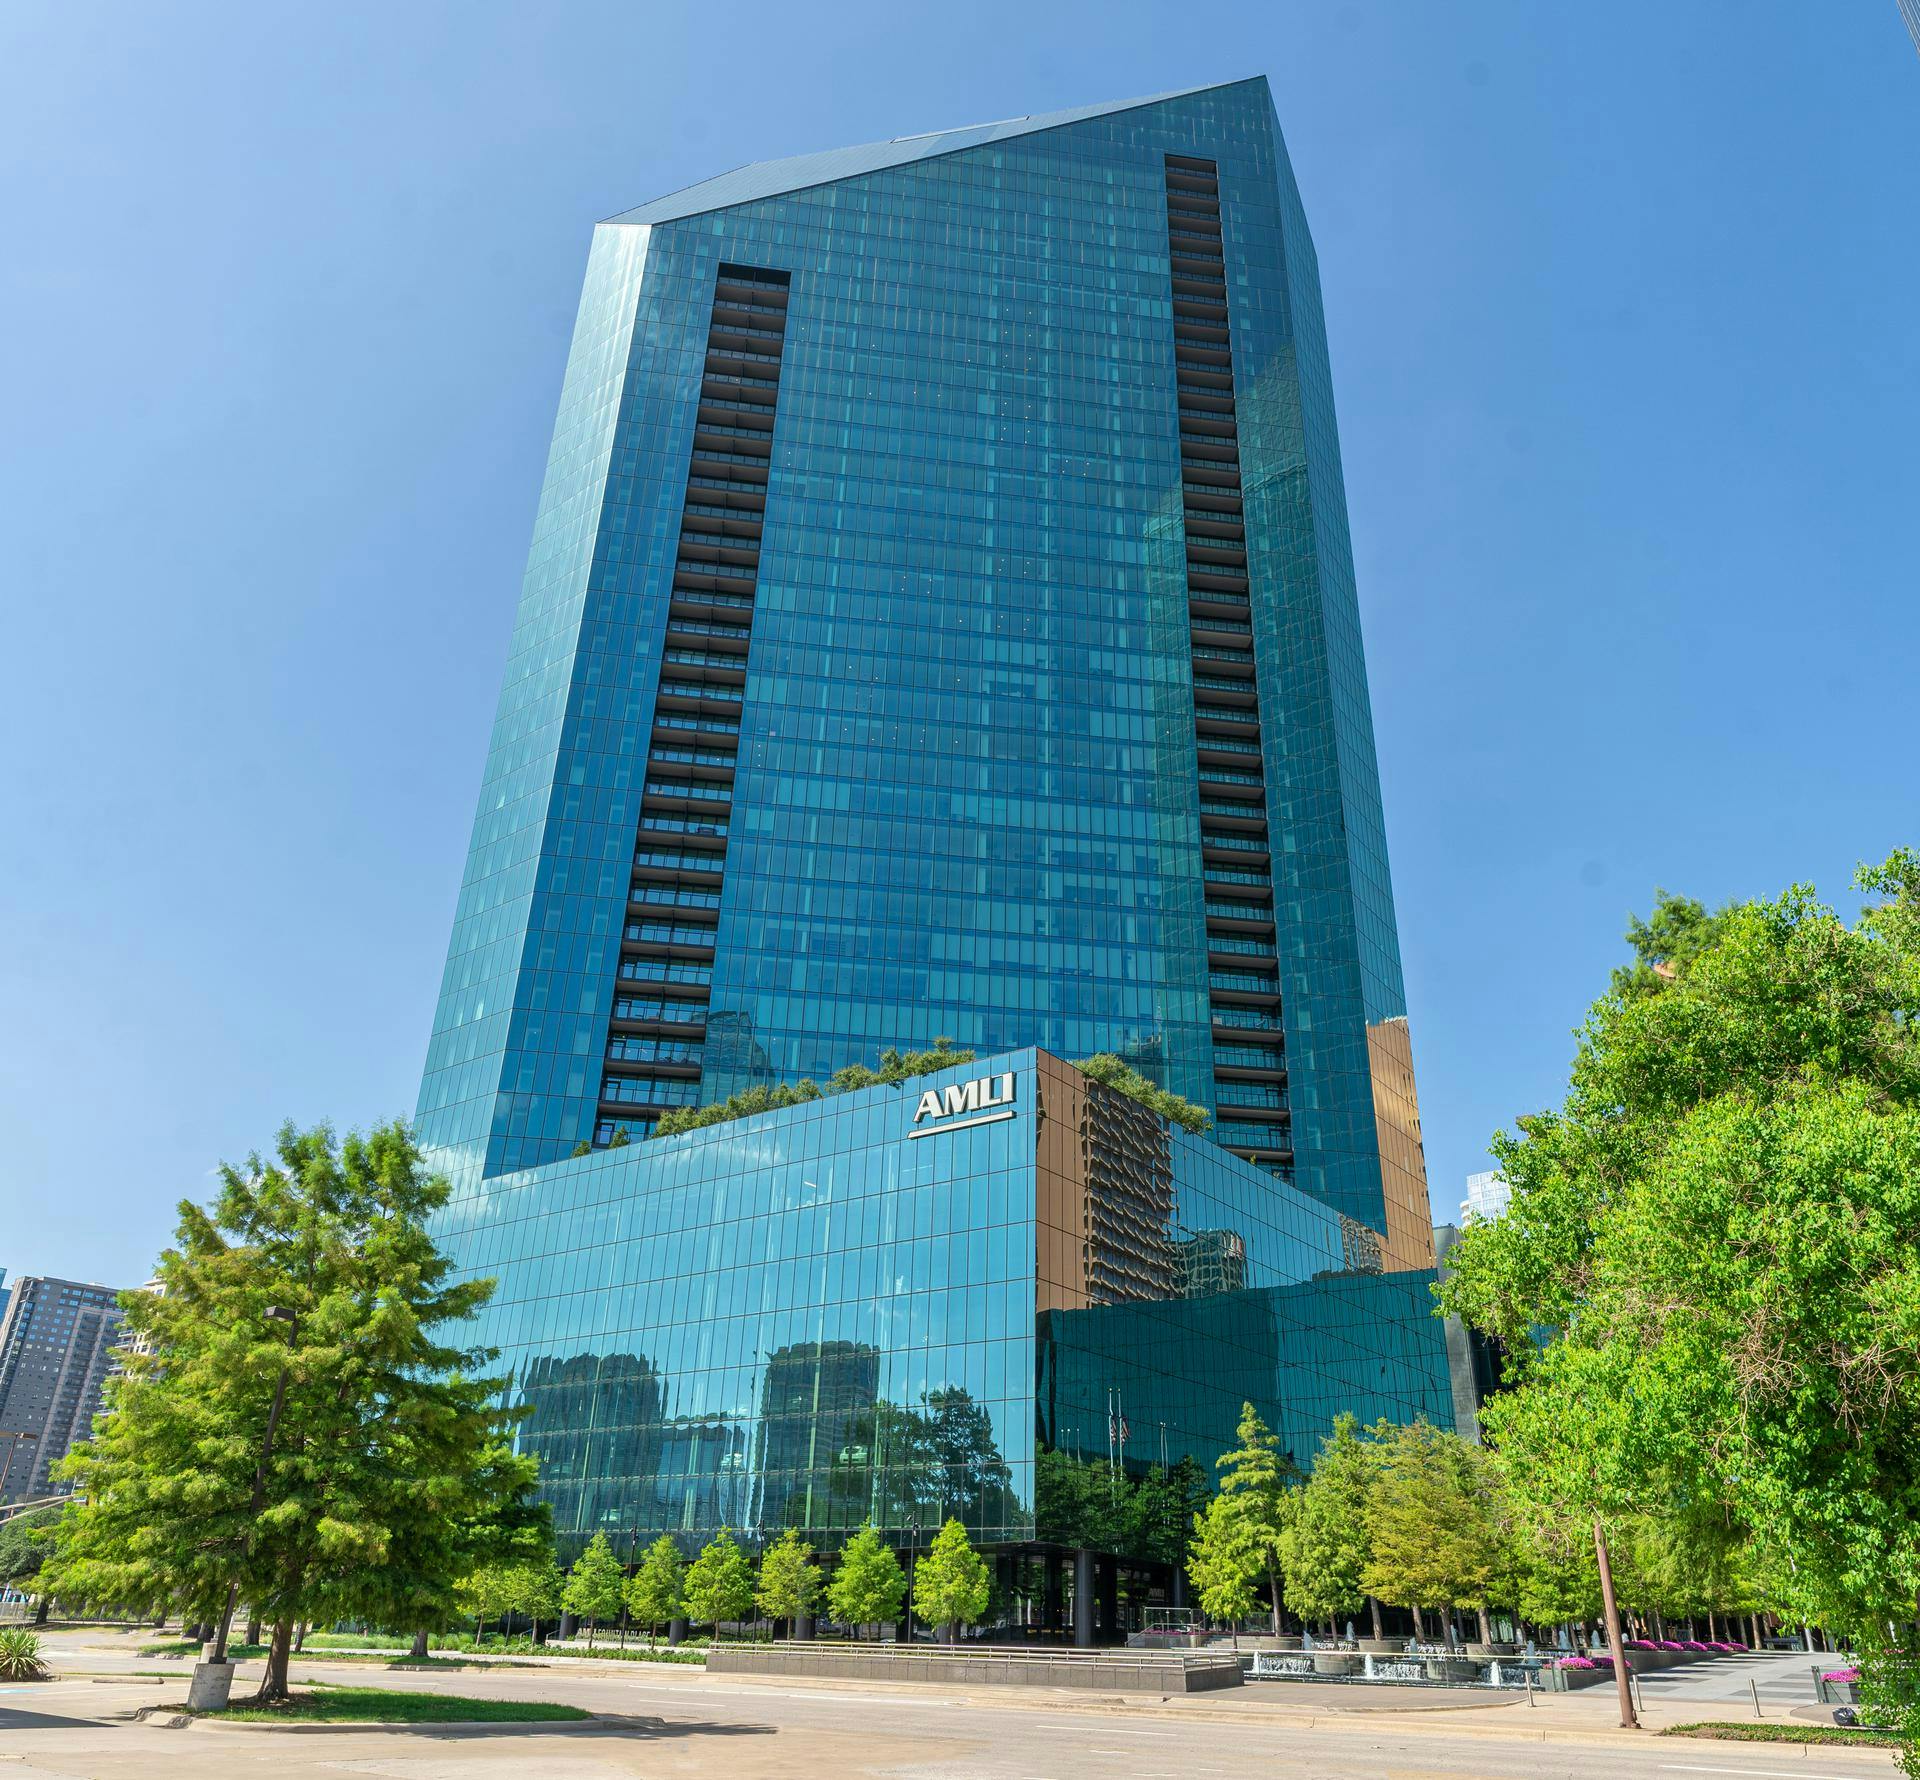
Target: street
x,y
677,1721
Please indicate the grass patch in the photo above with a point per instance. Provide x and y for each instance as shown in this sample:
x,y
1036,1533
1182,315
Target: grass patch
x,y
187,1647
382,1705
1739,1731
636,1653
386,1661
453,1652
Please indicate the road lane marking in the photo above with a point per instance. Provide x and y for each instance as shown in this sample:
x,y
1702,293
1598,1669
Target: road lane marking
x,y
1674,1767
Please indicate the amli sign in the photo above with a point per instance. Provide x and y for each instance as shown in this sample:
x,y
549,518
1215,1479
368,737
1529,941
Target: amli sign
x,y
979,1102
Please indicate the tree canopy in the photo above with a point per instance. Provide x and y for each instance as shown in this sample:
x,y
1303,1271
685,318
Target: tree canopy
x,y
1324,1547
869,1584
1256,1495
390,1479
951,1584
656,1592
720,1581
1709,1277
25,1540
789,1578
596,1587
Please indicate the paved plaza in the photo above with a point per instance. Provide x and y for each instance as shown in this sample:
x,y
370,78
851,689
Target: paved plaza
x,y
677,1721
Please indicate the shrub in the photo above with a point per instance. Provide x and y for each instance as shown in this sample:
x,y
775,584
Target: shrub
x,y
1847,1674
895,1066
20,1655
1123,1078
1575,1662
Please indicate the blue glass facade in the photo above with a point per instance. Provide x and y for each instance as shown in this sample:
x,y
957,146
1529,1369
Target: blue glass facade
x,y
940,621
882,672
842,1312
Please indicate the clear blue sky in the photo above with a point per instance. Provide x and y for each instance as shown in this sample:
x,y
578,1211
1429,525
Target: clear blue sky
x,y
1625,315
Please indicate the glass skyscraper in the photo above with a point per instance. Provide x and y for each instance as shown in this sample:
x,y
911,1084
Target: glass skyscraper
x,y
940,621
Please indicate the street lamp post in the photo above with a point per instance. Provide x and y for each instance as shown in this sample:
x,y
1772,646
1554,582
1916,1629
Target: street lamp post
x,y
276,1313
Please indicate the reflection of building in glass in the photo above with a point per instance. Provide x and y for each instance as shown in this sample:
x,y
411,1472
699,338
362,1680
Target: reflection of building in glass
x,y
733,1060
1212,1261
1361,1250
837,1313
816,1401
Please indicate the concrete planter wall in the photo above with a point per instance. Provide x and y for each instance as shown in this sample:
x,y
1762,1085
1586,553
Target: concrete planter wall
x,y
1111,1671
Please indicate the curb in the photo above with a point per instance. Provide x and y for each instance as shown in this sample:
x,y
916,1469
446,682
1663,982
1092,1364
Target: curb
x,y
465,1725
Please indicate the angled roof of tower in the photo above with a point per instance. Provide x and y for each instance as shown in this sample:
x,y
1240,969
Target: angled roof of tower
x,y
772,179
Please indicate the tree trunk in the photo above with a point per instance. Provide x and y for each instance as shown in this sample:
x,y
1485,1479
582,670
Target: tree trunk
x,y
1622,1675
300,1637
1373,1601
593,1625
1486,1625
418,1653
273,1684
40,1609
1273,1595
253,1627
1419,1625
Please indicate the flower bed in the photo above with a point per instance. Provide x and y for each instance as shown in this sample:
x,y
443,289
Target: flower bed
x,y
1838,1687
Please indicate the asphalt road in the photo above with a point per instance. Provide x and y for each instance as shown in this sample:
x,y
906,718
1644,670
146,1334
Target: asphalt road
x,y
675,1722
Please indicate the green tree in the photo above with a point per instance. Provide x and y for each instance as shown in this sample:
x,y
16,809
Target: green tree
x,y
868,1585
720,1582
1435,1539
597,1586
538,1591
789,1578
389,1479
1718,1233
490,1592
1677,932
1325,1548
657,1590
25,1542
1225,1562
951,1584
1256,1481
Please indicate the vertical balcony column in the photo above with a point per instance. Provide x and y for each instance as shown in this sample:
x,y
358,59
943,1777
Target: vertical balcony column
x,y
1084,1607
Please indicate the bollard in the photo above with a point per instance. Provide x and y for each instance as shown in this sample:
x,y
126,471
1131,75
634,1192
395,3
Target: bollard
x,y
1754,1687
